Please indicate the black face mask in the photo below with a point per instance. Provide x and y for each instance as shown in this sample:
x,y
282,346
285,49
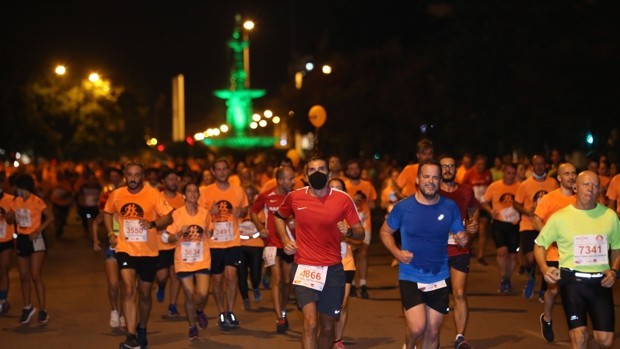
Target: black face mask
x,y
318,180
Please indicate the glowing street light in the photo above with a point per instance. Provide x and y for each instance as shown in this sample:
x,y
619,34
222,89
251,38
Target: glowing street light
x,y
60,70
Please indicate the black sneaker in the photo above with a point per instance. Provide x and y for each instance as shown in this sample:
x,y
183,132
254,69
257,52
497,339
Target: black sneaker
x,y
232,320
282,325
27,314
461,343
353,292
43,317
546,329
131,342
193,333
222,322
141,333
364,292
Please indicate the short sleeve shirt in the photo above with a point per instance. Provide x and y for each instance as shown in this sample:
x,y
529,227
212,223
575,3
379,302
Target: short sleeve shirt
x,y
192,251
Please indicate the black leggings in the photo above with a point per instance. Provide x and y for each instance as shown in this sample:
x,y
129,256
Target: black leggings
x,y
252,259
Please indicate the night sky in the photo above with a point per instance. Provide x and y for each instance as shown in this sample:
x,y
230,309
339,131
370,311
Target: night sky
x,y
479,61
144,44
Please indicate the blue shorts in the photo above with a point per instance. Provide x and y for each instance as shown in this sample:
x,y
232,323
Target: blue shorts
x,y
329,300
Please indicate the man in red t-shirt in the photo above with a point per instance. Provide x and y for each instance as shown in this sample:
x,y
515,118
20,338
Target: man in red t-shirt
x,y
319,279
479,178
268,202
458,257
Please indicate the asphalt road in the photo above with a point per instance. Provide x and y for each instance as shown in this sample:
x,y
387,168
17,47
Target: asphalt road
x,y
79,310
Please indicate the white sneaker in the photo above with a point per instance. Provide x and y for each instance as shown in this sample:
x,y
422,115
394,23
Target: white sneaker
x,y
122,322
114,319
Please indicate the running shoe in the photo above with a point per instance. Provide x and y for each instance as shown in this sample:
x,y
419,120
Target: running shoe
x,y
221,321
246,304
353,292
5,307
141,333
546,329
502,286
161,294
131,342
202,320
232,320
461,343
528,290
193,332
364,292
266,280
339,344
172,310
282,325
121,321
257,296
541,296
508,286
27,314
43,317
115,320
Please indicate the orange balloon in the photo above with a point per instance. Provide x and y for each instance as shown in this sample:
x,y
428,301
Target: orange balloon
x,y
317,116
293,154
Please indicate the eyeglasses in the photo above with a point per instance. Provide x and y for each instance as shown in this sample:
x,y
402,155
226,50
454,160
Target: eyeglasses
x,y
448,166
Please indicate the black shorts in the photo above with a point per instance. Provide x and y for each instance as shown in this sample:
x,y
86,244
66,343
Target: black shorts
x,y
460,262
506,235
185,274
288,258
166,259
582,296
26,247
527,240
349,275
222,257
145,267
411,295
329,300
7,245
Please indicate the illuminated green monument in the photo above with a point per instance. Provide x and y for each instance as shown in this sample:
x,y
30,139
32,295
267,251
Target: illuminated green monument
x,y
239,97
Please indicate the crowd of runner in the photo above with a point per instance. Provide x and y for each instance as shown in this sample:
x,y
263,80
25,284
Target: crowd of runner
x,y
229,225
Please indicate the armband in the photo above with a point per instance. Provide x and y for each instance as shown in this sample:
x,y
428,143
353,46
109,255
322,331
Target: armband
x,y
165,237
617,273
152,225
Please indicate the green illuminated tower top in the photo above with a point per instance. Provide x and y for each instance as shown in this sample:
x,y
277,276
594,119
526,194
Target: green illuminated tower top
x,y
239,96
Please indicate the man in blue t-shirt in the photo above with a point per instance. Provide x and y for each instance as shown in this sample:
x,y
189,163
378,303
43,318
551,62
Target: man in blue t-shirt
x,y
425,221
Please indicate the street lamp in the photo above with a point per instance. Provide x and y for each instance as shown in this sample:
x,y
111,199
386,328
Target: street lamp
x,y
248,26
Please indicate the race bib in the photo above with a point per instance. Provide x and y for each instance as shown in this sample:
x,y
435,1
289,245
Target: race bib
x,y
269,255
134,232
343,249
431,287
510,215
191,251
247,228
590,250
223,231
22,215
310,276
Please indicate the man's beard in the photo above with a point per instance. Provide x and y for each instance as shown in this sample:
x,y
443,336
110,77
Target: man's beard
x,y
427,195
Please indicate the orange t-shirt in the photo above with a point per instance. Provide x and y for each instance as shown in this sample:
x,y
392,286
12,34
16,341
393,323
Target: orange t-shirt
x,y
221,205
547,205
348,262
368,189
501,197
406,180
613,191
6,230
176,202
28,214
192,251
529,194
130,208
